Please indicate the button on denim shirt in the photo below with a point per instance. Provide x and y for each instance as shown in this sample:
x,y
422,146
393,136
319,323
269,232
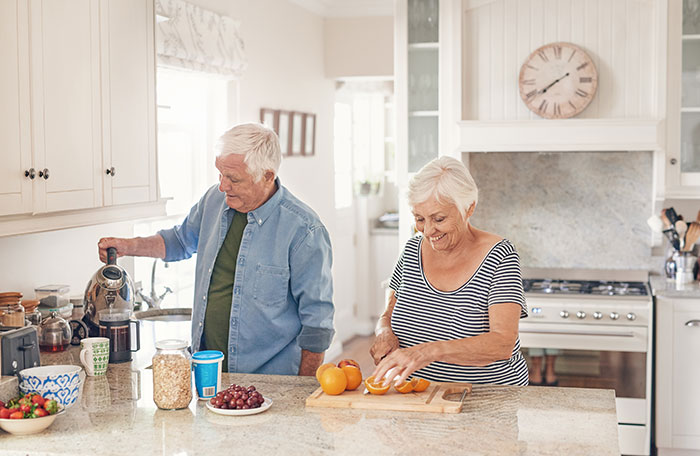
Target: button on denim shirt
x,y
282,290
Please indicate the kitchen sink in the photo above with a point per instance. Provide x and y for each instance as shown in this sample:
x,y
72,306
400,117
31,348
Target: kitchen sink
x,y
177,314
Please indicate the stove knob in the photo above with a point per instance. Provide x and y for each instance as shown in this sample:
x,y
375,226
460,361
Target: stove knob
x,y
597,315
580,314
614,315
564,314
631,316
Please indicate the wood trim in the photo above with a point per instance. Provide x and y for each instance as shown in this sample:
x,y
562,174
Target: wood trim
x,y
568,135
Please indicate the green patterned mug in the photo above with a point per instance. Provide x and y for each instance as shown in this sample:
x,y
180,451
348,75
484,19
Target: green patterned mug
x,y
94,355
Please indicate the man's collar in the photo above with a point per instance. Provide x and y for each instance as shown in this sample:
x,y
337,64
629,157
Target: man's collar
x,y
261,214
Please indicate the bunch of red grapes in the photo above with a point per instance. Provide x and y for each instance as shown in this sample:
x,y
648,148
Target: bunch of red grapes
x,y
237,397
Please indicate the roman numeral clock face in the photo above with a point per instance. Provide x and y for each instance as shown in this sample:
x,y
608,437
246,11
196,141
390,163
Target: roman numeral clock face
x,y
558,80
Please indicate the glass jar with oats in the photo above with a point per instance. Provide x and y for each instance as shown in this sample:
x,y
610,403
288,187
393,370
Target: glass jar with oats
x,y
172,375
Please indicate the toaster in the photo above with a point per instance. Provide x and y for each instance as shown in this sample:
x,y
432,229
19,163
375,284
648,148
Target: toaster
x,y
19,349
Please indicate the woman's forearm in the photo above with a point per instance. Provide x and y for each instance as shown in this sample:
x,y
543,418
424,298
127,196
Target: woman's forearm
x,y
384,322
479,350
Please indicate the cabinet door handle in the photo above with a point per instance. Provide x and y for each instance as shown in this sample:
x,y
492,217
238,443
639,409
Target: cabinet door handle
x,y
692,323
30,173
44,173
673,161
111,171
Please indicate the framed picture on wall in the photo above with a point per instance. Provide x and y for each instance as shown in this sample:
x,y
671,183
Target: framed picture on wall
x,y
284,122
309,134
297,133
270,118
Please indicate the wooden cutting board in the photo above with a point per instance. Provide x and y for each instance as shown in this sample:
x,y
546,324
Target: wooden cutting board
x,y
439,398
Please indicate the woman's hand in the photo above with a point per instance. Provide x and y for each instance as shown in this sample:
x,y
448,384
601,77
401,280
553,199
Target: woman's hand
x,y
385,343
404,362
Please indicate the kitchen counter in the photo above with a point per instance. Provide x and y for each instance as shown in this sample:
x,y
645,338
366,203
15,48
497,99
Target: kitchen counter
x,y
116,415
661,286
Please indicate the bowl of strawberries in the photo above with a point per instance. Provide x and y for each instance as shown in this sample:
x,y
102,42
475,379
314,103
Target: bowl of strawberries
x,y
29,414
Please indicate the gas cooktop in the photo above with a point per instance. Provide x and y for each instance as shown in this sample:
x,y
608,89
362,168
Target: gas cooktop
x,y
589,287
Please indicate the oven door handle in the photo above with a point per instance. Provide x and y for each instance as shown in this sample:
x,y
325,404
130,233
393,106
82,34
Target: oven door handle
x,y
692,323
576,332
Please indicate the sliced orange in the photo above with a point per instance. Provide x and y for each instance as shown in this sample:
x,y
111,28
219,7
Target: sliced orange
x,y
419,384
322,368
404,387
376,388
333,381
353,376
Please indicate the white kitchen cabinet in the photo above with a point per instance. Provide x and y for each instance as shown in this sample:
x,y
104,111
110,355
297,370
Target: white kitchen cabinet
x,y
677,373
65,110
77,109
683,104
15,142
128,100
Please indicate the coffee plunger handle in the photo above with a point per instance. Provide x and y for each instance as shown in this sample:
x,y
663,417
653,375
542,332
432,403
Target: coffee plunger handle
x,y
111,255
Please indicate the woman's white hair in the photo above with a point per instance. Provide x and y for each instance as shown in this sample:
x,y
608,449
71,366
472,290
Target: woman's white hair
x,y
447,180
258,144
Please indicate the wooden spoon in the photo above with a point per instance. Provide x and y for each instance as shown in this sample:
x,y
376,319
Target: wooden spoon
x,y
666,221
691,236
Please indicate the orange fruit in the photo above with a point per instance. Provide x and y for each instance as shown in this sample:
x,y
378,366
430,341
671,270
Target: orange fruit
x,y
404,387
348,362
419,384
333,381
376,388
322,368
353,376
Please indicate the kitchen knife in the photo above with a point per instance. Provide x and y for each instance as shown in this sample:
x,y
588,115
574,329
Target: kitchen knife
x,y
672,216
673,238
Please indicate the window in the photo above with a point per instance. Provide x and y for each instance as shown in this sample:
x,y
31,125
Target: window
x,y
192,114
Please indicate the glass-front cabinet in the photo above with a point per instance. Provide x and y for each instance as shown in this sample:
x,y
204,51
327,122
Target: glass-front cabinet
x,y
683,153
417,64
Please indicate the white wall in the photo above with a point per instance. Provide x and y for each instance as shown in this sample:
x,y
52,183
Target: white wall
x,y
620,36
55,257
359,46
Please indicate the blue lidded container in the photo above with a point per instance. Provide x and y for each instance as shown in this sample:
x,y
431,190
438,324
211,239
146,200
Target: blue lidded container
x,y
207,372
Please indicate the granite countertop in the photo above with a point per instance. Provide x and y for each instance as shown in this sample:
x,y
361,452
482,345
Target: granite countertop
x,y
661,286
116,414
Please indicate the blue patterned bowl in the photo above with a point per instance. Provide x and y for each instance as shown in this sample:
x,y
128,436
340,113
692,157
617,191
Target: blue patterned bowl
x,y
61,382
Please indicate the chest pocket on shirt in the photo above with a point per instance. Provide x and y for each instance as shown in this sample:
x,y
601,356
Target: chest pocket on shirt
x,y
271,284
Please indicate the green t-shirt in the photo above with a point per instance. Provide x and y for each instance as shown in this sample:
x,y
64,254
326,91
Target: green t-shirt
x,y
218,313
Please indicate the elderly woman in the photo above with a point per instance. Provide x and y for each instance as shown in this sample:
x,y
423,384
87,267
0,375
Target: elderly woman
x,y
457,292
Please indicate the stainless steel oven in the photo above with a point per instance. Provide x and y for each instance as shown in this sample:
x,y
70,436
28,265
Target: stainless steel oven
x,y
594,327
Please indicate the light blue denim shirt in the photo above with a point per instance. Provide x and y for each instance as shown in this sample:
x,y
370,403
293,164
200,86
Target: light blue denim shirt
x,y
282,291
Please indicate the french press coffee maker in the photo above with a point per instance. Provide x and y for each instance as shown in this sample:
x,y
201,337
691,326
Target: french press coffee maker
x,y
116,325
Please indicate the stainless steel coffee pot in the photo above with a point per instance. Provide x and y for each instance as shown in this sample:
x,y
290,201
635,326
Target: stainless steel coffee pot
x,y
110,288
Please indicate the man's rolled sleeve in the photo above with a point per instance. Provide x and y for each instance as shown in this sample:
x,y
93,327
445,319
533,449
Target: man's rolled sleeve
x,y
311,284
181,241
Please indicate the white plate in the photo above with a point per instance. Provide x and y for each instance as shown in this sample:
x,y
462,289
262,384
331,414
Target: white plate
x,y
265,405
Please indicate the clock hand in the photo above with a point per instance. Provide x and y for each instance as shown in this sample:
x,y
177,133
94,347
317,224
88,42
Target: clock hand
x,y
550,85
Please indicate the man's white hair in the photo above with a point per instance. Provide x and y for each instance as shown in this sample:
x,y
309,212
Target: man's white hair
x,y
259,145
446,179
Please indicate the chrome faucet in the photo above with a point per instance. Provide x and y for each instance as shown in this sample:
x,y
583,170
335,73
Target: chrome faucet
x,y
154,299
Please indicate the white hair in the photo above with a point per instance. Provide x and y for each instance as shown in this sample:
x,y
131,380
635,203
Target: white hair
x,y
258,144
447,180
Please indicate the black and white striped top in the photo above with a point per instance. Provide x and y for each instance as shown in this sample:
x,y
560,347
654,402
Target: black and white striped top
x,y
424,314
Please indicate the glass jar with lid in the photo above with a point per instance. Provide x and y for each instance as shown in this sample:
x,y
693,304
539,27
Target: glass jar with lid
x,y
12,315
54,333
172,375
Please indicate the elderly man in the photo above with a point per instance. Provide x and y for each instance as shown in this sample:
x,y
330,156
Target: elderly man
x,y
263,288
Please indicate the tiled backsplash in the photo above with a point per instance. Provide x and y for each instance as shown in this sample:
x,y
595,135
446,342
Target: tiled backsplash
x,y
569,209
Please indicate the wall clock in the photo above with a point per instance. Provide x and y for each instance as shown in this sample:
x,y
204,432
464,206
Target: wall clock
x,y
558,81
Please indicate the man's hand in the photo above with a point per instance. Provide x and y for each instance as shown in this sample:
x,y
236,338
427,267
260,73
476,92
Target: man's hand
x,y
310,362
121,244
